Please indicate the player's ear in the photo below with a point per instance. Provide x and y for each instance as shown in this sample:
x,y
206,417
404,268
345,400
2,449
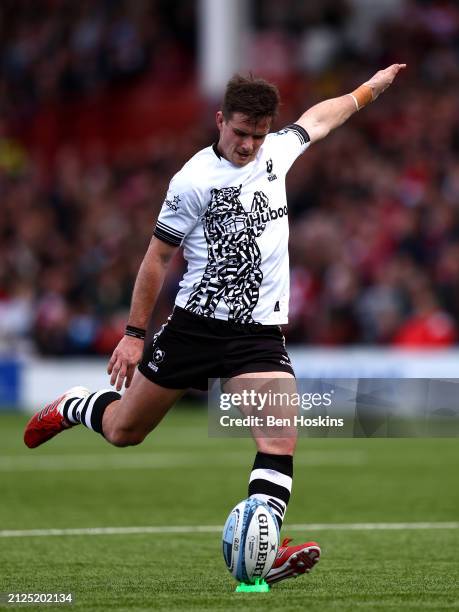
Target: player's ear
x,y
219,119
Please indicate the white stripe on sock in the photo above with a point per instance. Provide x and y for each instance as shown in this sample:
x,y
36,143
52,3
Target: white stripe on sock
x,y
273,476
69,415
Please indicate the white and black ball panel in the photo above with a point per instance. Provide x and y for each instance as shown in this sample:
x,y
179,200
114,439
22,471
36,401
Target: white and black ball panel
x,y
250,540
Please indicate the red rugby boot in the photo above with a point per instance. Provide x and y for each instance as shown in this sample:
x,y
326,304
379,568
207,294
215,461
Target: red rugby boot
x,y
47,423
291,561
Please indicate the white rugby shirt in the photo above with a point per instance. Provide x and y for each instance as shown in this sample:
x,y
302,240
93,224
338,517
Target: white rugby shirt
x,y
233,225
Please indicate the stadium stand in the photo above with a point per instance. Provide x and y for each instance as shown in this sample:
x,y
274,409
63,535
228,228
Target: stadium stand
x,y
89,137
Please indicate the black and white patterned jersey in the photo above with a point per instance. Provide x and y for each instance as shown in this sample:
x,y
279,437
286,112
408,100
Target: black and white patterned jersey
x,y
233,225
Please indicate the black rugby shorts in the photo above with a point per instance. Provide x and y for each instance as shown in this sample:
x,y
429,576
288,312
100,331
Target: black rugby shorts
x,y
189,349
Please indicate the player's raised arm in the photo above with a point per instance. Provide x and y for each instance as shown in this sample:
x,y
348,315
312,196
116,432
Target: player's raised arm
x,y
147,286
324,117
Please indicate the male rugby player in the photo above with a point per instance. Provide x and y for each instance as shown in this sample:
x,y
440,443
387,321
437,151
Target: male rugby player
x,y
227,207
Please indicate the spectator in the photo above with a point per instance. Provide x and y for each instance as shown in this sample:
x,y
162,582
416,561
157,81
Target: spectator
x,y
375,208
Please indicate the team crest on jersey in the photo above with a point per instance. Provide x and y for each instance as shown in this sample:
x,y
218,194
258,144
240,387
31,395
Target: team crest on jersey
x,y
269,170
174,203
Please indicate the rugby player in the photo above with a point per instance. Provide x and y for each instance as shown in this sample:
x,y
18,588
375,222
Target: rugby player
x,y
227,208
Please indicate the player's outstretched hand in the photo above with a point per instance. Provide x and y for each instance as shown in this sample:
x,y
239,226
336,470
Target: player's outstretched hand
x,y
123,361
383,78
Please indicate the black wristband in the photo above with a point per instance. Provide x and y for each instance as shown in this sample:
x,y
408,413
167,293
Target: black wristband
x,y
135,332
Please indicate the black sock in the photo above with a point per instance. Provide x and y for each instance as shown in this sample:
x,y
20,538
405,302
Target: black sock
x,y
271,482
89,410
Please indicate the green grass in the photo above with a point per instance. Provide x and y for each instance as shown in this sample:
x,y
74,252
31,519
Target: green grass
x,y
181,477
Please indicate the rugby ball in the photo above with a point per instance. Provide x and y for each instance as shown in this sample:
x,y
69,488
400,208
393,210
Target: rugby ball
x,y
250,540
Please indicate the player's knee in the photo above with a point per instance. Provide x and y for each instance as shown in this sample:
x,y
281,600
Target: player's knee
x,y
121,437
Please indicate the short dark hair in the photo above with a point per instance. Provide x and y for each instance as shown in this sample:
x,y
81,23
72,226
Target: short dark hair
x,y
254,97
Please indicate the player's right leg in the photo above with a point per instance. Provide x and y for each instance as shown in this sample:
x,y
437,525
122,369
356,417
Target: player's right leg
x,y
123,421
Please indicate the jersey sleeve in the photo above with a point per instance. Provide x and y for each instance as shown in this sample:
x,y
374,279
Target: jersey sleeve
x,y
179,213
289,143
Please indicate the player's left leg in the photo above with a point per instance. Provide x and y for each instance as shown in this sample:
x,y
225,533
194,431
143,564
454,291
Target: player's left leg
x,y
272,473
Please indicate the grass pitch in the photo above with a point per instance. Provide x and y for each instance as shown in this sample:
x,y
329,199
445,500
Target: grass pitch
x,y
180,477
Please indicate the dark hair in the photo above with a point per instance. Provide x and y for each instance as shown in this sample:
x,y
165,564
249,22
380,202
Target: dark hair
x,y
255,98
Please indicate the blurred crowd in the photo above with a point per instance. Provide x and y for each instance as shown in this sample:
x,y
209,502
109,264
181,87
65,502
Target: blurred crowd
x,y
56,50
374,208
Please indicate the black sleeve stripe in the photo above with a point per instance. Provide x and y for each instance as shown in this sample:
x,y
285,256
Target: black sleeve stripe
x,y
299,131
169,230
166,237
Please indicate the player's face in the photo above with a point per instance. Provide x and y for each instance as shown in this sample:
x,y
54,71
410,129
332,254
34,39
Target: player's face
x,y
241,138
